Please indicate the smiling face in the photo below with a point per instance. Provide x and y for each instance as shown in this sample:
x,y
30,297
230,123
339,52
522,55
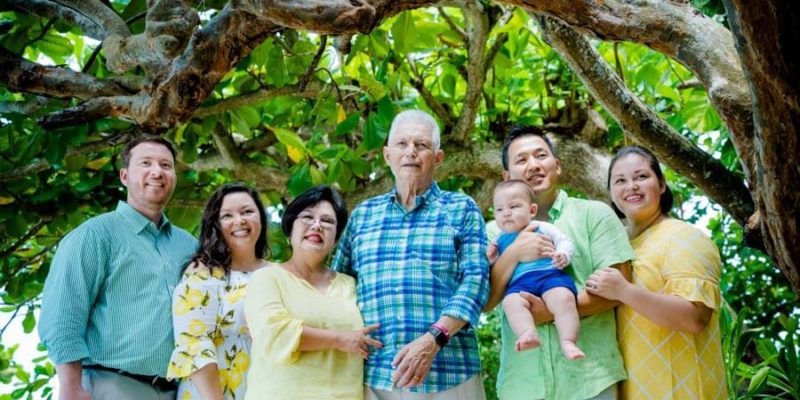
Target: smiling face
x,y
240,220
411,155
513,209
530,160
635,188
149,177
315,229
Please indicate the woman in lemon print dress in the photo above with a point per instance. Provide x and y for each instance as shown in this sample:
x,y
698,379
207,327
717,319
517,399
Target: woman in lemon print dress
x,y
668,325
212,352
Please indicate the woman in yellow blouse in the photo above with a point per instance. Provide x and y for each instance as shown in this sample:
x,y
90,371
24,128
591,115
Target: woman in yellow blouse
x,y
668,325
212,349
309,339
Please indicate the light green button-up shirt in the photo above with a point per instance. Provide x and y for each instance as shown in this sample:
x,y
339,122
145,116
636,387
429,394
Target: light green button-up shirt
x,y
543,373
107,298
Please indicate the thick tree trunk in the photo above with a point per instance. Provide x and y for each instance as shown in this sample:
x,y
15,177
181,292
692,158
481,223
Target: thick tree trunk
x,y
767,38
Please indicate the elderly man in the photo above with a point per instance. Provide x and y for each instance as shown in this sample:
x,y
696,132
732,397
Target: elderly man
x,y
417,253
107,300
600,242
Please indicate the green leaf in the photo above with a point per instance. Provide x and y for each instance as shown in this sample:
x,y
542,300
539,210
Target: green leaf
x,y
55,152
250,115
758,381
276,67
386,111
75,163
88,183
29,322
288,138
300,180
449,84
403,32
350,123
332,152
375,133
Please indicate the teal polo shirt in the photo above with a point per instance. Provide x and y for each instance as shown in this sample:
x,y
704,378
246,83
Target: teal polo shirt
x,y
543,373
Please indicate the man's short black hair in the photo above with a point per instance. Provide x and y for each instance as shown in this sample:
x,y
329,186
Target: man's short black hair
x,y
519,131
126,151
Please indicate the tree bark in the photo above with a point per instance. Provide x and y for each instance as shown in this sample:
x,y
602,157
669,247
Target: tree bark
x,y
766,37
675,29
726,188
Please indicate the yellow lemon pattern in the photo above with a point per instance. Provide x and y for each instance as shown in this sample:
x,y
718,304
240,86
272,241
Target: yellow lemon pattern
x,y
208,318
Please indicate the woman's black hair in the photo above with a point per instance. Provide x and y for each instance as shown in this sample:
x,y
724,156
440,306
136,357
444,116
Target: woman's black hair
x,y
310,198
213,250
666,199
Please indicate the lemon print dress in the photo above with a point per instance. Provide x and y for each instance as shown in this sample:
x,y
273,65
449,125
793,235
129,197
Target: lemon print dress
x,y
208,317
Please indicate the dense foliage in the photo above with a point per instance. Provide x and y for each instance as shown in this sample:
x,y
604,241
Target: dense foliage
x,y
298,107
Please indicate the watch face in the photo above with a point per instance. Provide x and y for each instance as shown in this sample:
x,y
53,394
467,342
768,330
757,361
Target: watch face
x,y
439,336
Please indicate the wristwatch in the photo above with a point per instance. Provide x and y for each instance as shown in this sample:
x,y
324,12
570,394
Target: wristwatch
x,y
439,336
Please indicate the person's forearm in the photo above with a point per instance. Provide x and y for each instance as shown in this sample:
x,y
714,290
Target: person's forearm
x,y
590,304
452,325
499,275
587,304
69,374
206,381
313,339
671,312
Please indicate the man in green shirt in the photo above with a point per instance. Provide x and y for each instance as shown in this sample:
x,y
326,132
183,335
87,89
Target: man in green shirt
x,y
600,242
106,308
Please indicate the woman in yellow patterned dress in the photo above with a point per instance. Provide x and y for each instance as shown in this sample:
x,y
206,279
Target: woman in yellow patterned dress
x,y
668,325
212,352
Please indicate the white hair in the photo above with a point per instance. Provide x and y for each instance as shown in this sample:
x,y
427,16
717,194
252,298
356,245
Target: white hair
x,y
417,117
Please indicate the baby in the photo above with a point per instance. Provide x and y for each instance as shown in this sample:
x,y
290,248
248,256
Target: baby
x,y
514,207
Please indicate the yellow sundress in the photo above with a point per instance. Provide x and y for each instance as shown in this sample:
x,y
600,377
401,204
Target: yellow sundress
x,y
673,257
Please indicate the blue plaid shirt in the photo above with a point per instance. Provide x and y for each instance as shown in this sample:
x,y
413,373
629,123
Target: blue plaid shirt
x,y
412,267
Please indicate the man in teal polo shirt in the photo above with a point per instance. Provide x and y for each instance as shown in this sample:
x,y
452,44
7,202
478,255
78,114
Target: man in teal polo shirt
x,y
600,242
106,308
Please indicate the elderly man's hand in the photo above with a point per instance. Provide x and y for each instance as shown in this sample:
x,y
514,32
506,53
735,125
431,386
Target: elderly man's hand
x,y
413,362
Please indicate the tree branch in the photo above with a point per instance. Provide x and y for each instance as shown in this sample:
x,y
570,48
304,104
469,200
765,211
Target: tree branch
x,y
726,188
678,30
763,31
168,26
21,75
93,109
457,29
311,91
418,82
94,18
312,67
41,164
477,27
24,238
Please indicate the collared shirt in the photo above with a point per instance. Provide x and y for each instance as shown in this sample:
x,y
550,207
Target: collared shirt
x,y
412,267
107,298
600,241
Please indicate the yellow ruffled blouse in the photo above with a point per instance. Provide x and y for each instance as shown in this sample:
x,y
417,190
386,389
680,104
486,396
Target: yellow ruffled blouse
x,y
278,305
673,257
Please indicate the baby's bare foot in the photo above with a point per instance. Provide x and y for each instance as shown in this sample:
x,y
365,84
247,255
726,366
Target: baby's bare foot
x,y
528,339
571,351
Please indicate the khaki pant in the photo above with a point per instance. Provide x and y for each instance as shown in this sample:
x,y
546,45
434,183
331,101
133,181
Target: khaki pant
x,y
471,389
106,385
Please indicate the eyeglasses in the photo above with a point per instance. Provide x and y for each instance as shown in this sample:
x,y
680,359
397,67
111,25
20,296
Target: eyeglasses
x,y
309,221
